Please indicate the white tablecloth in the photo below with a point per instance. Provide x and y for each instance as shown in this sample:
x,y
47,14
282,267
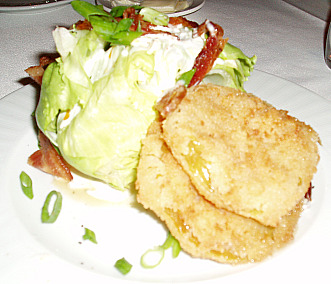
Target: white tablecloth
x,y
288,42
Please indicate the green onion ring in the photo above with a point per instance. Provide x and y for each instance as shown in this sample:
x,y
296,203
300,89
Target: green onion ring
x,y
143,260
26,184
51,218
170,242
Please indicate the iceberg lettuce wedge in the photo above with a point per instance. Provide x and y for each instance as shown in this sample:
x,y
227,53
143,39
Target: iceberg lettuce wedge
x,y
97,98
97,103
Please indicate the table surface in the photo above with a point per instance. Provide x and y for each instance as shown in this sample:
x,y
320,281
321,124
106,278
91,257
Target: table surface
x,y
288,41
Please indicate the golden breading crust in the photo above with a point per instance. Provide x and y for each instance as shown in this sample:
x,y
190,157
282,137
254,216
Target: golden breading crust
x,y
241,153
202,230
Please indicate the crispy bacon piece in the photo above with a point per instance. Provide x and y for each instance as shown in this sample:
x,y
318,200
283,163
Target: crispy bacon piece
x,y
83,25
146,27
37,72
48,160
130,13
170,101
212,49
203,64
182,21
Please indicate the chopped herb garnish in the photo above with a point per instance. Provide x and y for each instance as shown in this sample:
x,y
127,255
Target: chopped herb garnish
x,y
87,9
153,257
51,218
118,11
123,266
105,24
26,184
175,248
90,235
172,242
155,17
187,77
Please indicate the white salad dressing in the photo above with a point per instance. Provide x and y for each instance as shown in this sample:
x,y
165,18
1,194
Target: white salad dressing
x,y
172,58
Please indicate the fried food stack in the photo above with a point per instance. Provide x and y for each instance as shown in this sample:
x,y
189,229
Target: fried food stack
x,y
226,172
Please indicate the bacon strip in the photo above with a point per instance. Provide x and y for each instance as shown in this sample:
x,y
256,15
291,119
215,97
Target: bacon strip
x,y
203,64
146,27
130,13
210,52
37,72
83,25
48,160
175,21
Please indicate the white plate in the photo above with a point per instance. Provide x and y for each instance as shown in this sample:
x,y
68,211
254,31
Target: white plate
x,y
32,252
194,5
27,6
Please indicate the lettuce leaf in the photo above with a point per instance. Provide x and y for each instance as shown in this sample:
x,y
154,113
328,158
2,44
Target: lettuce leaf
x,y
97,100
231,69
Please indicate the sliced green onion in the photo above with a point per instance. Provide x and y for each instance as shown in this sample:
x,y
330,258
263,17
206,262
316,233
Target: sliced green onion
x,y
26,184
172,242
155,17
100,7
87,9
119,10
114,32
106,25
153,257
103,25
123,266
90,235
187,77
168,242
175,248
124,25
51,218
124,38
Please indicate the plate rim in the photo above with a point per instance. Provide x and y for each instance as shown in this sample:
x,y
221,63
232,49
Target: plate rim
x,y
195,6
33,7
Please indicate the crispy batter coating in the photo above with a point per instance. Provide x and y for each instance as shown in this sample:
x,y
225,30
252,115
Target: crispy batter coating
x,y
241,153
203,230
